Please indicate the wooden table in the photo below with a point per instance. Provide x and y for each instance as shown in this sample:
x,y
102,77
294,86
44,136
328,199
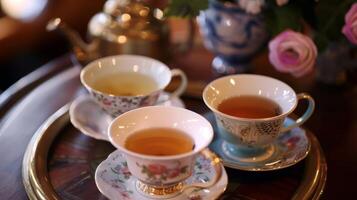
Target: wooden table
x,y
26,105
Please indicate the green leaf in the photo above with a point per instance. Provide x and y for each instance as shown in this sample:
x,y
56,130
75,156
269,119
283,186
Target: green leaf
x,y
185,8
330,19
281,18
164,178
321,41
144,170
183,169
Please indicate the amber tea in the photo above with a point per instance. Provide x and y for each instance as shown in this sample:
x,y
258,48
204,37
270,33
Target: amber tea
x,y
125,84
159,142
249,106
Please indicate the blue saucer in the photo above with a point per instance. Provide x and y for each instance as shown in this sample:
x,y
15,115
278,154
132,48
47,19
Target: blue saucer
x,y
289,149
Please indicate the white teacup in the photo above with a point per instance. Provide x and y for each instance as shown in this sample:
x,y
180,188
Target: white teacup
x,y
251,139
118,104
159,183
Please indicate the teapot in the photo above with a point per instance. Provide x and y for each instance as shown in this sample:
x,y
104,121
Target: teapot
x,y
123,27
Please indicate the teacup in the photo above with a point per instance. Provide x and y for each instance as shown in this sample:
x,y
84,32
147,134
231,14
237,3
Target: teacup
x,y
164,176
115,104
252,139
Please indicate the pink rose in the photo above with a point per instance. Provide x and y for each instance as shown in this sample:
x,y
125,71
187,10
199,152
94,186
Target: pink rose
x,y
350,27
292,52
157,169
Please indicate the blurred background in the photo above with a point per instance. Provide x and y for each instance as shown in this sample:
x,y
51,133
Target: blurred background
x,y
24,42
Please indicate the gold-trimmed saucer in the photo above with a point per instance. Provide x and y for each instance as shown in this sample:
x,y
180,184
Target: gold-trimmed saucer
x,y
114,180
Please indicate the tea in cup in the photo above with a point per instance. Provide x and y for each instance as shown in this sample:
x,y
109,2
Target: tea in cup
x,y
250,111
125,82
160,145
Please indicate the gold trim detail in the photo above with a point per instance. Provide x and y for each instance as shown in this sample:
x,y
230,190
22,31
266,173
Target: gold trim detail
x,y
159,190
34,168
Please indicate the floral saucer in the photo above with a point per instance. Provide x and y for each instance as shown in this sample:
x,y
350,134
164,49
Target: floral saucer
x,y
290,148
93,121
114,180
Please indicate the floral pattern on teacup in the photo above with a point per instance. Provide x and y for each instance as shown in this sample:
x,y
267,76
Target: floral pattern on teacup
x,y
115,181
159,173
117,105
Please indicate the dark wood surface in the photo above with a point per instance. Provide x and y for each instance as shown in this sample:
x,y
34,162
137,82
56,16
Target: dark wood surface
x,y
334,124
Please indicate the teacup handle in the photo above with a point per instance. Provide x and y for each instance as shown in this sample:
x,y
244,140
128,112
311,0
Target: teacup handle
x,y
180,89
216,163
305,116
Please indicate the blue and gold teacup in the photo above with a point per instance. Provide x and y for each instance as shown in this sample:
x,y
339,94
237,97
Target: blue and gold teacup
x,y
251,139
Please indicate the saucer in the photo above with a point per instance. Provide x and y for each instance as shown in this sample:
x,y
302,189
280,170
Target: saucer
x,y
114,180
290,148
93,121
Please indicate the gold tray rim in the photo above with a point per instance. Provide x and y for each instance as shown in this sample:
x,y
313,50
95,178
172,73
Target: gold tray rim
x,y
37,184
39,187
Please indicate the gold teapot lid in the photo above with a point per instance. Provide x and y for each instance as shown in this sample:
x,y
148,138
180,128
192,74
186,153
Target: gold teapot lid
x,y
121,19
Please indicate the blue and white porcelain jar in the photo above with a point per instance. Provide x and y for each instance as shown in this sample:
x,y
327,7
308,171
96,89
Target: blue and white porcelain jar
x,y
233,35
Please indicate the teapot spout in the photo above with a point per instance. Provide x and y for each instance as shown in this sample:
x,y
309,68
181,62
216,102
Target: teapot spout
x,y
83,52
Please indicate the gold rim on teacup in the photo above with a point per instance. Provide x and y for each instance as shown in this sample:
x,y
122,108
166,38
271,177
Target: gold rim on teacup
x,y
191,123
297,97
252,139
283,114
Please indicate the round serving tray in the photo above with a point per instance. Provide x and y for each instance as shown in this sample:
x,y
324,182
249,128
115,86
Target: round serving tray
x,y
60,162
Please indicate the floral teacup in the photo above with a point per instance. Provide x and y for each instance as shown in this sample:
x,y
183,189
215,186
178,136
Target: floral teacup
x,y
117,104
164,175
252,139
